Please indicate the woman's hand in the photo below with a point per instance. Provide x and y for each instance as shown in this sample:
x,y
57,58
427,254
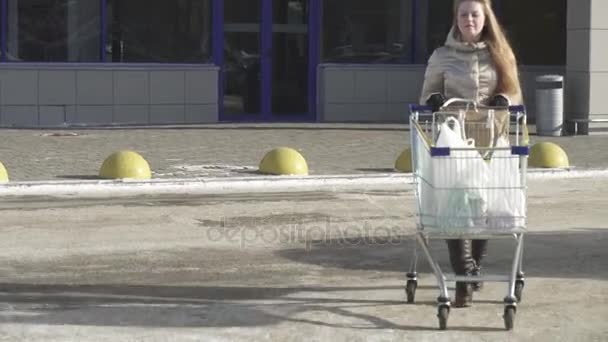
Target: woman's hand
x,y
436,101
499,101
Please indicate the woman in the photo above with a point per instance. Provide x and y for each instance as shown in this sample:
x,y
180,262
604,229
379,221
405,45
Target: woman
x,y
475,63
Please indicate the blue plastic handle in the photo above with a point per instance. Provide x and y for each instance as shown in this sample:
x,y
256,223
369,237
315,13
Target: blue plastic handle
x,y
440,151
520,150
517,109
420,108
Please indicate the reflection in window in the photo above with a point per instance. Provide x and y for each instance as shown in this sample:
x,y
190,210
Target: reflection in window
x,y
242,11
159,31
53,30
365,31
242,57
438,23
537,30
290,57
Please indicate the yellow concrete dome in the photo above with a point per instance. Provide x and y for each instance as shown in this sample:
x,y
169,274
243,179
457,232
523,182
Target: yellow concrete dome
x,y
125,164
404,161
3,174
548,155
283,161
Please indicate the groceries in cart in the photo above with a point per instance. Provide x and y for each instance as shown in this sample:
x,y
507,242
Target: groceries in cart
x,y
462,204
469,174
475,187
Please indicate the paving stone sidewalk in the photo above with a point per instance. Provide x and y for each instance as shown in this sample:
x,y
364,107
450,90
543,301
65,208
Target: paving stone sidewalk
x,y
225,150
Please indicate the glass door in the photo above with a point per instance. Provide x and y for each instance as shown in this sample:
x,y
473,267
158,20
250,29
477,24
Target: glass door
x,y
241,71
266,72
289,58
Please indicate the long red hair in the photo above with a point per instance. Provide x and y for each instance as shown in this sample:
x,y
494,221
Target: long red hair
x,y
500,50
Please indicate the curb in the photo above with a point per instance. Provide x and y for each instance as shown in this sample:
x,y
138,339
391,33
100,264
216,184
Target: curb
x,y
207,186
239,185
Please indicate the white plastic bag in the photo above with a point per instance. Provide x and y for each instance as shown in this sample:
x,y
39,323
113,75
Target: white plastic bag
x,y
450,171
506,202
452,136
460,180
464,209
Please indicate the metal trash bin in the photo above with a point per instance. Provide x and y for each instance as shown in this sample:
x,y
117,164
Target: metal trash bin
x,y
549,105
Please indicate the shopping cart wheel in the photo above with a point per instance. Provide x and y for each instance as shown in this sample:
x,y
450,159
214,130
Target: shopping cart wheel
x,y
519,288
443,312
410,290
509,317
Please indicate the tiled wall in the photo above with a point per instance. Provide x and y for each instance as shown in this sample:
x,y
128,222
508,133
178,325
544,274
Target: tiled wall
x,y
88,94
381,93
362,93
587,63
58,95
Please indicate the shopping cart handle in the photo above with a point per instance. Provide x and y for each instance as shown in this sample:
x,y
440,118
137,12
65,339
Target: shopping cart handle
x,y
440,151
517,109
520,150
420,108
424,108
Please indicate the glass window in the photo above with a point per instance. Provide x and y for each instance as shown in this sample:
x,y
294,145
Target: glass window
x,y
536,29
365,31
242,78
158,31
290,57
53,30
436,23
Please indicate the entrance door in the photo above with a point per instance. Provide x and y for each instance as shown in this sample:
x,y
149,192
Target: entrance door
x,y
265,68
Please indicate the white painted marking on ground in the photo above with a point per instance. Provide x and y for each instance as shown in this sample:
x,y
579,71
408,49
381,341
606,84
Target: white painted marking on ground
x,y
250,184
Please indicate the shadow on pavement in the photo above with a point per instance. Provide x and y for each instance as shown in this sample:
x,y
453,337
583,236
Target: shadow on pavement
x,y
573,254
580,253
196,306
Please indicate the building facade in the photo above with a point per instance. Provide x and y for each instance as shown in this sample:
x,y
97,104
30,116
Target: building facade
x,y
120,62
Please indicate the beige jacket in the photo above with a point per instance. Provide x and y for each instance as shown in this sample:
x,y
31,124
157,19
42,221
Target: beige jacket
x,y
462,70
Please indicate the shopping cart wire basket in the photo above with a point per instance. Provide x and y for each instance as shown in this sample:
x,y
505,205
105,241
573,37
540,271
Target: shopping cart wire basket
x,y
469,165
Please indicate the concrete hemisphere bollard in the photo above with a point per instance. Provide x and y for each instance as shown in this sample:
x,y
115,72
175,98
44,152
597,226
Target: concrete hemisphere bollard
x,y
404,161
283,161
3,174
549,105
548,155
125,164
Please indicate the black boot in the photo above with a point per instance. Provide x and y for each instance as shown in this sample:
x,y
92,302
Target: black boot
x,y
479,250
478,285
463,264
464,295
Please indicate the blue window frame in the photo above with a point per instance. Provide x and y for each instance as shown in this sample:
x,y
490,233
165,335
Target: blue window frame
x,y
3,27
273,76
106,31
336,31
390,31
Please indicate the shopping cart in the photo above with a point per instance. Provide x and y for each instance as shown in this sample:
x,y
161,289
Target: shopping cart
x,y
476,190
